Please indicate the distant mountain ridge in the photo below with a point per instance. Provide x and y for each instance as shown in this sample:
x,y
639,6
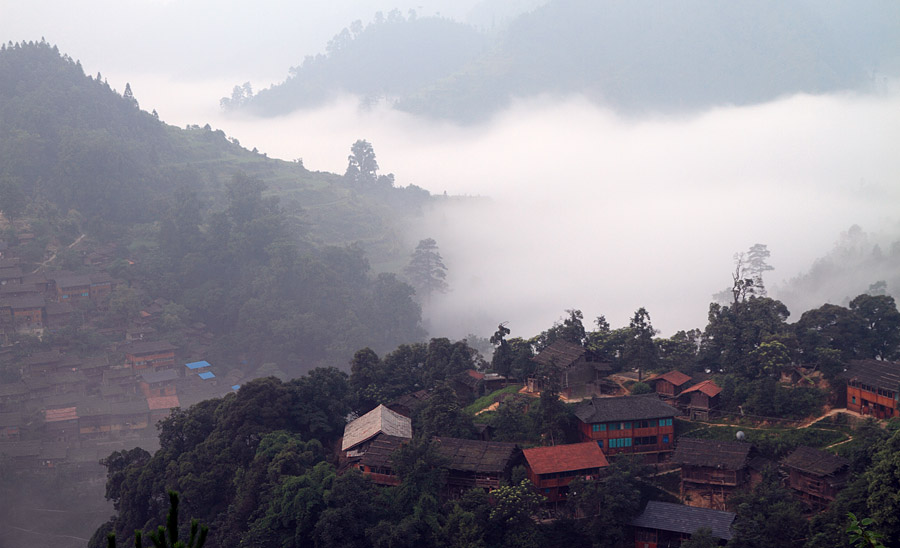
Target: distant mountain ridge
x,y
636,56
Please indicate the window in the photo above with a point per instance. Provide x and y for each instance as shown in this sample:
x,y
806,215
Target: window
x,y
600,444
85,294
603,428
626,426
614,426
665,438
854,400
595,428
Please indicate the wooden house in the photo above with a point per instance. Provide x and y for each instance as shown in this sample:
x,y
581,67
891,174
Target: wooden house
x,y
873,388
553,468
99,419
18,290
381,420
664,524
58,315
102,285
711,470
573,369
12,394
817,476
11,275
21,455
409,403
149,355
11,425
61,424
70,287
668,385
25,312
376,462
472,464
468,384
699,400
629,424
154,384
161,407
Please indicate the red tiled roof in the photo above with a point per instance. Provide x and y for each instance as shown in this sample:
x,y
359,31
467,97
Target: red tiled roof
x,y
709,388
475,374
64,414
675,377
565,458
163,402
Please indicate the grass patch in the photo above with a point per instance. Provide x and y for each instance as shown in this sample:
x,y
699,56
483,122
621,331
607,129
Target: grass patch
x,y
774,443
488,399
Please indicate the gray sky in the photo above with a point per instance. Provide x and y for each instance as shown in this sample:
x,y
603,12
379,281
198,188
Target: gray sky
x,y
589,210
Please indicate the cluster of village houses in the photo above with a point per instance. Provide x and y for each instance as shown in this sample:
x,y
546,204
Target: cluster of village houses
x,y
71,410
611,426
68,411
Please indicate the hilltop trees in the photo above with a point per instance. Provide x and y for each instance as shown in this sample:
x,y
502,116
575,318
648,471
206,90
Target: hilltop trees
x,y
362,168
640,350
426,270
882,322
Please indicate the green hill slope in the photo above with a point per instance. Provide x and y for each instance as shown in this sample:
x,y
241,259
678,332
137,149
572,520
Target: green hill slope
x,y
258,249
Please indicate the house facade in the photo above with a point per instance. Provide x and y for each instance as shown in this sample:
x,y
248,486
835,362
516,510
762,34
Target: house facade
x,y
873,388
700,400
552,469
641,425
816,476
154,355
712,471
573,369
668,385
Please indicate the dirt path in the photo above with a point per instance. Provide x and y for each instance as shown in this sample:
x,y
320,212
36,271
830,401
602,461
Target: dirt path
x,y
52,257
831,413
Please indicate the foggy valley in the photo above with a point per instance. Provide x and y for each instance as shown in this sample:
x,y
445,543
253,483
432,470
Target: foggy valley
x,y
227,259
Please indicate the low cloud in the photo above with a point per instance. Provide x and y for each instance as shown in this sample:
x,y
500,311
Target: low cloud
x,y
586,209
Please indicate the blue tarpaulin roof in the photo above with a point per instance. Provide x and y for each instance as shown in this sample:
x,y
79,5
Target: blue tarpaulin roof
x,y
197,365
206,375
236,387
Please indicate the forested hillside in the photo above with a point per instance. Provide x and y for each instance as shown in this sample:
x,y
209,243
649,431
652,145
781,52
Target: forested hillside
x,y
636,56
293,487
271,256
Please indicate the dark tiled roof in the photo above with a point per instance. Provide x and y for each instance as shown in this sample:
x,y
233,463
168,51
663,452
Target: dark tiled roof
x,y
151,377
675,377
24,301
470,378
476,455
147,347
679,518
11,419
624,408
59,308
814,461
409,401
565,458
560,354
876,373
380,450
724,455
10,272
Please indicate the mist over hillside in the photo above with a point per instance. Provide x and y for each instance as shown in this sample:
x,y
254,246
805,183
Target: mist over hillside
x,y
636,56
